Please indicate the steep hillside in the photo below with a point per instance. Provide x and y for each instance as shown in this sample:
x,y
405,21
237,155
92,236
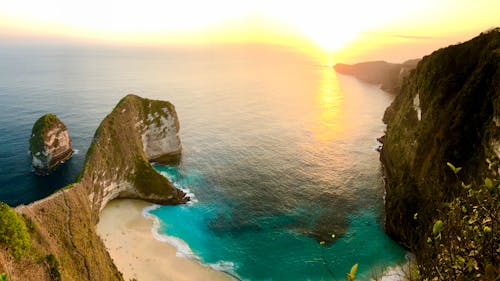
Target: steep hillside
x,y
448,110
388,75
64,244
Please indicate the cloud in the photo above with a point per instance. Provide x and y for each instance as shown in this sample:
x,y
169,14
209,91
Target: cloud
x,y
402,36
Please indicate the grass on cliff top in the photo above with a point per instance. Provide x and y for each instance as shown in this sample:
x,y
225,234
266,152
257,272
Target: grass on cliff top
x,y
13,232
147,180
39,129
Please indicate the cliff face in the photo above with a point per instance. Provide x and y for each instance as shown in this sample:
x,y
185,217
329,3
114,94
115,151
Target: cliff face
x,y
448,110
62,226
388,75
50,144
117,166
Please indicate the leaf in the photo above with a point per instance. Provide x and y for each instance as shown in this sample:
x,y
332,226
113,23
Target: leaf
x,y
322,243
490,164
415,216
488,182
487,229
438,225
453,168
466,186
352,274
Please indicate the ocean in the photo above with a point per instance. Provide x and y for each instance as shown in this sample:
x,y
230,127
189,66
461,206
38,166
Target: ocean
x,y
278,150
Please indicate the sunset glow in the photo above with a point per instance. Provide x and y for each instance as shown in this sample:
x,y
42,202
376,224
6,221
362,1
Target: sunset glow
x,y
330,26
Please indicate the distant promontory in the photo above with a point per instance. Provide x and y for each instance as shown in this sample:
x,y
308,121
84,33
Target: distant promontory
x,y
388,75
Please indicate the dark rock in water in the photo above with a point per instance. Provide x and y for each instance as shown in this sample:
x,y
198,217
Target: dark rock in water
x,y
388,75
448,110
50,144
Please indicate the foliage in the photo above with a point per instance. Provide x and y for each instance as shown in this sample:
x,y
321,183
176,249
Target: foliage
x,y
13,232
453,168
351,276
44,122
3,276
53,267
436,229
465,243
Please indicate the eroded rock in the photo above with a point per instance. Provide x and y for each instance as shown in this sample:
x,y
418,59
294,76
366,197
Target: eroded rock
x,y
50,144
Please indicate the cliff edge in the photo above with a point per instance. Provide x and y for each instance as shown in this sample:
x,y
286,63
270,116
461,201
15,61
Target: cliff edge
x,y
448,111
61,227
388,75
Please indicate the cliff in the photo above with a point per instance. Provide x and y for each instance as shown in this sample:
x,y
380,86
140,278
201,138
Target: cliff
x,y
50,144
448,110
388,75
61,227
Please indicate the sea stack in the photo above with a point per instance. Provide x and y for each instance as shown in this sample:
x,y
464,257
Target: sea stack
x,y
50,144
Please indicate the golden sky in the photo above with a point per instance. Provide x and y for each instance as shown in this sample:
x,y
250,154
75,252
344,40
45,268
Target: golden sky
x,y
336,27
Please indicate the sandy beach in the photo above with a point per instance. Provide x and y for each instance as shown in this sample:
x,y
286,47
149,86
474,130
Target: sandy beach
x,y
137,254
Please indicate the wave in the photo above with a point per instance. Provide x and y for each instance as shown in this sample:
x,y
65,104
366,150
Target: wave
x,y
185,189
189,193
182,248
399,272
226,267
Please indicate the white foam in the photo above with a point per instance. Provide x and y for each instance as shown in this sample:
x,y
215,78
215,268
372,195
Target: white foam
x,y
186,190
189,193
182,248
76,151
398,272
225,266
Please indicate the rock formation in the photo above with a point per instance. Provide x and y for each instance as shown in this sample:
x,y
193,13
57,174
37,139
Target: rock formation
x,y
50,144
62,226
388,75
448,110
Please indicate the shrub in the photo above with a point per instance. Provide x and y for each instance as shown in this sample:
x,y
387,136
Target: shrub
x,y
464,243
13,232
53,267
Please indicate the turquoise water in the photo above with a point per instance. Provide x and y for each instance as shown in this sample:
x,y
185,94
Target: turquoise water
x,y
278,149
272,248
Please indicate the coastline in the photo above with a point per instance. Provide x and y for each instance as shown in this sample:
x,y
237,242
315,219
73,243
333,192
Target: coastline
x,y
128,237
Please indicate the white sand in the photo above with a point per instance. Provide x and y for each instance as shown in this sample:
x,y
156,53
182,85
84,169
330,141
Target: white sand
x,y
137,254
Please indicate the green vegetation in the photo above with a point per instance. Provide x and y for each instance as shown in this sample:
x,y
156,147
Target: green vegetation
x,y
441,195
53,267
13,233
465,243
148,181
3,276
39,129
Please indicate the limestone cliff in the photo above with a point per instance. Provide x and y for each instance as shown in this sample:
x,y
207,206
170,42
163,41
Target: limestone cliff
x,y
65,245
388,75
50,144
448,110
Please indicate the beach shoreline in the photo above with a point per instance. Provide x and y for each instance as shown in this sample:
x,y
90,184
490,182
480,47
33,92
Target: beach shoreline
x,y
128,237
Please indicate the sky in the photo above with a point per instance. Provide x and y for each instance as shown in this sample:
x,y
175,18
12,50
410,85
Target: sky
x,y
349,30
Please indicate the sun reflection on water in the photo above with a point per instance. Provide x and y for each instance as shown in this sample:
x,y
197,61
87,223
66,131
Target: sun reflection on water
x,y
330,119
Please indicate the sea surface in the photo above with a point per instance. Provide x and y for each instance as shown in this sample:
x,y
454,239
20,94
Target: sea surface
x,y
278,150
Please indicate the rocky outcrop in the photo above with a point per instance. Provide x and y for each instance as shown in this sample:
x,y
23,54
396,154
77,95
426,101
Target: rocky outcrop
x,y
388,75
447,111
62,226
50,144
137,132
